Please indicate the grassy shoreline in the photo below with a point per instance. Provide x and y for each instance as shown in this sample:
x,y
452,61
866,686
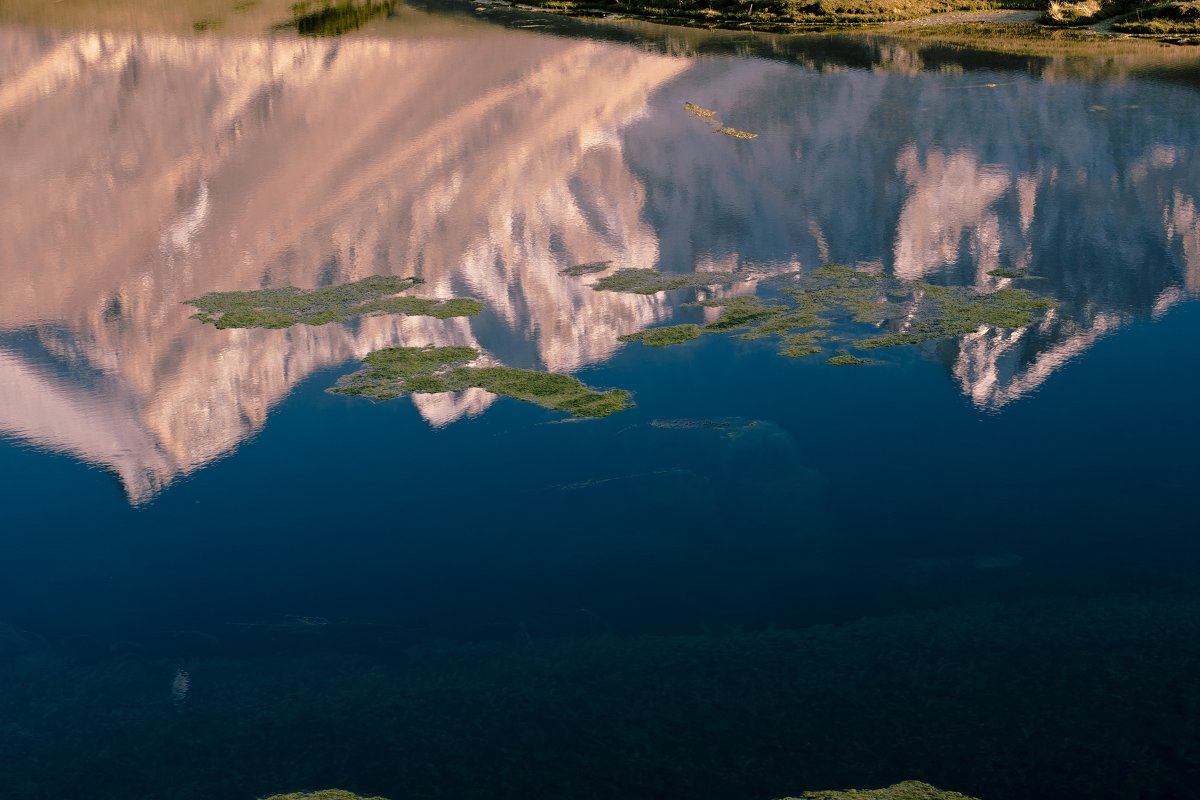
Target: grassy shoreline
x,y
1175,22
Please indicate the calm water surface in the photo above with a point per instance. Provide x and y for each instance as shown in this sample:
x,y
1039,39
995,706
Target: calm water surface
x,y
971,563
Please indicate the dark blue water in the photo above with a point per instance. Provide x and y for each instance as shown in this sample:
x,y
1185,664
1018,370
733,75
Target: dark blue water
x,y
971,563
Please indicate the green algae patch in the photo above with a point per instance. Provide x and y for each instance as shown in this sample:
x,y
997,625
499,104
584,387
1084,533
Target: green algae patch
x,y
396,371
665,336
650,281
335,19
590,268
324,794
282,308
908,790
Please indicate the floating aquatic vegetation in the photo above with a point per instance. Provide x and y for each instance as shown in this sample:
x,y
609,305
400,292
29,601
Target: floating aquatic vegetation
x,y
735,133
650,281
799,345
908,790
180,685
661,337
847,360
740,311
335,19
710,116
953,314
585,269
808,307
282,308
1007,273
696,424
395,371
324,794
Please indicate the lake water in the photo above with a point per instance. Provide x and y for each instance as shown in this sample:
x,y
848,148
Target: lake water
x,y
972,562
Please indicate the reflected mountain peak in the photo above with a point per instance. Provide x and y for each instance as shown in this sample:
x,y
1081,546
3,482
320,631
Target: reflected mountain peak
x,y
156,168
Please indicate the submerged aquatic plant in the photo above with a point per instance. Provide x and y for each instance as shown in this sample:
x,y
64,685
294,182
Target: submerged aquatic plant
x,y
661,337
323,794
651,281
395,371
282,308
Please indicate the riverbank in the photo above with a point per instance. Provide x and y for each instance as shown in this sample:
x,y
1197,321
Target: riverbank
x,y
1171,22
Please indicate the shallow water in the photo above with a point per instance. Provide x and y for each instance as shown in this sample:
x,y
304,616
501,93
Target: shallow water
x,y
972,562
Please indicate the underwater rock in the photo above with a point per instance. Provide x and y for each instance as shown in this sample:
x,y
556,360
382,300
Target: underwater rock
x,y
395,371
282,308
908,790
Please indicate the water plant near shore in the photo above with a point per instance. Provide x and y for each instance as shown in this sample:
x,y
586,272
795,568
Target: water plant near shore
x,y
396,371
287,306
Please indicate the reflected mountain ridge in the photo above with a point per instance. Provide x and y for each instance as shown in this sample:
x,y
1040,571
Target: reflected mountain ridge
x,y
1096,215
156,168
249,182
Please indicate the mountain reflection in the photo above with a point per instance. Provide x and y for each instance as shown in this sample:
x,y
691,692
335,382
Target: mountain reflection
x,y
154,168
943,177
